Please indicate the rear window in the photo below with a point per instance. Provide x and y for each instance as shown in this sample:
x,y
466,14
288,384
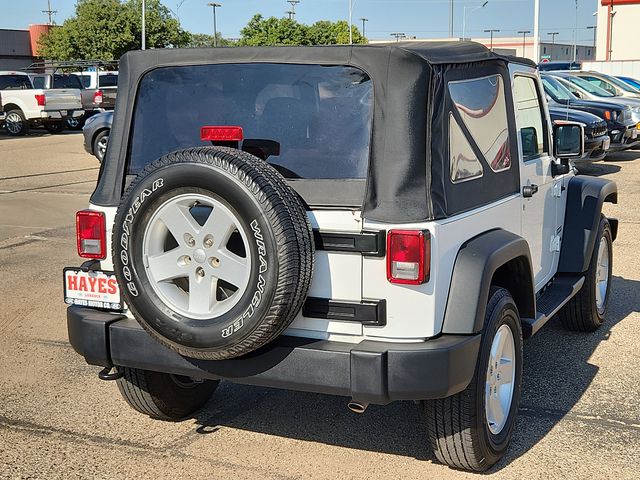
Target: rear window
x,y
66,81
108,80
14,82
320,115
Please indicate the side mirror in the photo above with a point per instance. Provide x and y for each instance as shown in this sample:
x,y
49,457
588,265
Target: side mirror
x,y
568,140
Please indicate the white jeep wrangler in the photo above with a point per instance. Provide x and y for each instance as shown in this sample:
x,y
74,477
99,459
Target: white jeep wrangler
x,y
378,222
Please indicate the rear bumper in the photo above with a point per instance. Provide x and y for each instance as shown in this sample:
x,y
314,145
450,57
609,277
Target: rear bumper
x,y
368,372
58,114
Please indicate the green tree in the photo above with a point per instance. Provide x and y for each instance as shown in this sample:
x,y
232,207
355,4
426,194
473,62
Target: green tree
x,y
325,32
198,40
273,31
106,29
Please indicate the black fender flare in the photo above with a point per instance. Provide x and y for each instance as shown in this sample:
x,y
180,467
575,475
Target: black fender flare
x,y
585,196
477,262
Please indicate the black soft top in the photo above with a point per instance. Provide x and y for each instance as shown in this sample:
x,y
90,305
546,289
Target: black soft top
x,y
408,178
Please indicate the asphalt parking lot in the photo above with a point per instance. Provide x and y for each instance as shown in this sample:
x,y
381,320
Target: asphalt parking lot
x,y
579,415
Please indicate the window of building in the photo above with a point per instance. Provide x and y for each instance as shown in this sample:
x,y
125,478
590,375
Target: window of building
x,y
529,118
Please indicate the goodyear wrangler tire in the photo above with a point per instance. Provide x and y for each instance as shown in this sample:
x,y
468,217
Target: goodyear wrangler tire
x,y
213,251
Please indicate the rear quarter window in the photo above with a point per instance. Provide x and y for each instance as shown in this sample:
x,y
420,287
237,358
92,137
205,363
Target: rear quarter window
x,y
320,115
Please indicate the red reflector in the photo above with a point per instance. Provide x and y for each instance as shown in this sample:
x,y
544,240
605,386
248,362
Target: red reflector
x,y
221,134
408,256
97,97
41,100
91,234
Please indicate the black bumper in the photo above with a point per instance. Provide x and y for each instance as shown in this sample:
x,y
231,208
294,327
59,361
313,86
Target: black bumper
x,y
368,372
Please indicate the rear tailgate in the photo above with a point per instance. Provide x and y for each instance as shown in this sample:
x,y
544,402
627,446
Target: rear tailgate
x,y
337,276
109,98
63,99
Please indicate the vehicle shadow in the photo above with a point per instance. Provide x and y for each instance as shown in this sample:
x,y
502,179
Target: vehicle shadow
x,y
40,132
557,373
598,169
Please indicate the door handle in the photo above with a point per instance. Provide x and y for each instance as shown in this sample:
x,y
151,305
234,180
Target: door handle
x,y
529,190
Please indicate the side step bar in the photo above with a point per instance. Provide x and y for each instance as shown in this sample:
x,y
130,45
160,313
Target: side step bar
x,y
556,295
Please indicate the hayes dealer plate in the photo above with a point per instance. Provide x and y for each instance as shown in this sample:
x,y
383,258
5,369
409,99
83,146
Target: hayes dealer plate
x,y
95,288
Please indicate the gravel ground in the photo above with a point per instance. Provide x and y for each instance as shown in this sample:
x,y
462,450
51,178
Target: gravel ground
x,y
579,415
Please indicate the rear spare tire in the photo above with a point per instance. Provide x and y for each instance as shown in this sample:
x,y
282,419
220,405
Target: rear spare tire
x,y
213,251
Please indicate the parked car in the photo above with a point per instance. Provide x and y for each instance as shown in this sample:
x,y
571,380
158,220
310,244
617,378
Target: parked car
x,y
622,129
610,84
105,81
630,81
96,134
559,65
92,99
26,106
586,90
596,138
310,241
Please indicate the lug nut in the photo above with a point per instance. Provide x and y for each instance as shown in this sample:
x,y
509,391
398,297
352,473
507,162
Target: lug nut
x,y
184,260
208,241
215,262
189,240
200,272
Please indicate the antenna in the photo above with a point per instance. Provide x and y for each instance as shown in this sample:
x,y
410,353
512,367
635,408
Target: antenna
x,y
50,12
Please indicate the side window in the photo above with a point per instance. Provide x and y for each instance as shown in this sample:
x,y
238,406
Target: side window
x,y
38,82
481,105
529,118
599,83
464,164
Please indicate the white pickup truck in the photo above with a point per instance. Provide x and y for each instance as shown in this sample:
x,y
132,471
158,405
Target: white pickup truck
x,y
26,107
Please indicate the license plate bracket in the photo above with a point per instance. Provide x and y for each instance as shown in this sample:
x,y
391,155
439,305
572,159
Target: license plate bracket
x,y
91,288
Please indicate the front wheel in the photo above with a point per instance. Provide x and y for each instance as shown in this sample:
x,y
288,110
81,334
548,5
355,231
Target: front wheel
x,y
585,312
164,396
100,145
472,429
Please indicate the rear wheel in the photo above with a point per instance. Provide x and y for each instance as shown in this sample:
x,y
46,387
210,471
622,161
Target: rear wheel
x,y
586,311
472,429
164,396
15,123
54,127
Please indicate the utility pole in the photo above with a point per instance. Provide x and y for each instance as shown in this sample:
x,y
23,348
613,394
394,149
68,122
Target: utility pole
x,y
50,13
398,36
363,20
144,25
215,28
292,12
492,31
553,42
524,40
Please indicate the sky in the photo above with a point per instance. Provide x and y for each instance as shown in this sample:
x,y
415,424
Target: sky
x,y
422,18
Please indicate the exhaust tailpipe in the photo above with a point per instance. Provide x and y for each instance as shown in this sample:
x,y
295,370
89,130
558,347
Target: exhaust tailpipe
x,y
357,407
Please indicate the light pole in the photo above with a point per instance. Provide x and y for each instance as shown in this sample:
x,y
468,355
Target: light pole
x,y
492,31
595,30
536,31
363,20
524,39
144,25
553,42
215,28
450,18
464,16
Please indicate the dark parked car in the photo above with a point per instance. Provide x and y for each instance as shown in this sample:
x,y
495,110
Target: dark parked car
x,y
552,66
620,124
96,134
596,138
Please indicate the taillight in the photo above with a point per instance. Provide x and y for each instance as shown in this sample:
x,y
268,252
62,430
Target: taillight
x,y
408,256
41,100
222,134
97,97
91,233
